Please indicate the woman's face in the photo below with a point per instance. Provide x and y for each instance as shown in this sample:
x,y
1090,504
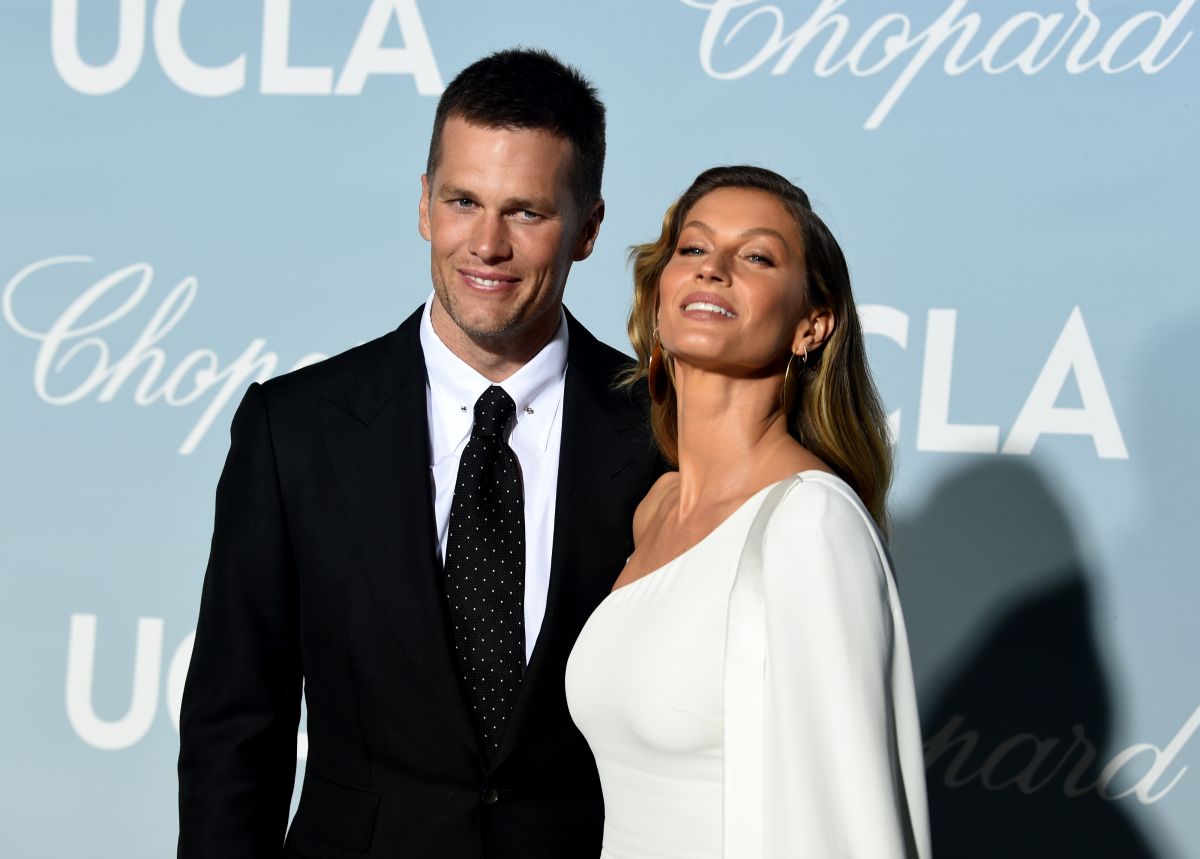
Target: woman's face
x,y
732,297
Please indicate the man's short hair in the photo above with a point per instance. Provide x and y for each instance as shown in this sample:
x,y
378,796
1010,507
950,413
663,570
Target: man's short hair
x,y
523,88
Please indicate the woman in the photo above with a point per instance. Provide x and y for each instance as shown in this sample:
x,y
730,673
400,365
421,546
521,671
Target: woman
x,y
746,688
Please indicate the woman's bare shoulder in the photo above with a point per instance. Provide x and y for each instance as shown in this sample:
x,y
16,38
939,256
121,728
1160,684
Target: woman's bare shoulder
x,y
792,457
649,509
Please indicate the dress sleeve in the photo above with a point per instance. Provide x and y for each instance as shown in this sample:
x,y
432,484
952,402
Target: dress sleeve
x,y
841,761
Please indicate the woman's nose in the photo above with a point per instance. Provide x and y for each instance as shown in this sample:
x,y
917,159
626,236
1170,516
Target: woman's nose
x,y
715,267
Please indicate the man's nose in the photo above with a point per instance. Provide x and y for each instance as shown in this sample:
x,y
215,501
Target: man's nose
x,y
489,239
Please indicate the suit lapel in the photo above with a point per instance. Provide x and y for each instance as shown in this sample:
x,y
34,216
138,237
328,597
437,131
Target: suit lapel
x,y
592,518
378,439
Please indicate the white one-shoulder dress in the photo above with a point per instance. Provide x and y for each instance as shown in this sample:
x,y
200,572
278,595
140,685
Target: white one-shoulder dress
x,y
754,698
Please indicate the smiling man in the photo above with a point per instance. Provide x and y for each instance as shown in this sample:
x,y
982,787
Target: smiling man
x,y
502,240
413,532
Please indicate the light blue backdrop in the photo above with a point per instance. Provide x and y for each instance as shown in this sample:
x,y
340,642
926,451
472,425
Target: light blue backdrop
x,y
198,194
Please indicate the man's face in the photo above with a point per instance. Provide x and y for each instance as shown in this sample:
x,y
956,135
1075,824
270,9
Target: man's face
x,y
504,230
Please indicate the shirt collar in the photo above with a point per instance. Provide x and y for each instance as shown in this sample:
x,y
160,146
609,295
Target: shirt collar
x,y
454,386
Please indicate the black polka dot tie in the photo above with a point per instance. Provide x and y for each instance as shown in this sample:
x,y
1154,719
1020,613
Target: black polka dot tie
x,y
485,567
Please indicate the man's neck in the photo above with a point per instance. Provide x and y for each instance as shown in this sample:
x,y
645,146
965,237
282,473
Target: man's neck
x,y
494,358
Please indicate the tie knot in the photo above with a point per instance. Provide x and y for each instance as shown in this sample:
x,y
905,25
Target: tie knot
x,y
493,410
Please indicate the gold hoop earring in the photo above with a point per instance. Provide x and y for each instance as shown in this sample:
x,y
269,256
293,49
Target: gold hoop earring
x,y
787,395
656,372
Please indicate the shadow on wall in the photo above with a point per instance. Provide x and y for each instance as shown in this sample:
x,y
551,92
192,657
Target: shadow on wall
x,y
1016,707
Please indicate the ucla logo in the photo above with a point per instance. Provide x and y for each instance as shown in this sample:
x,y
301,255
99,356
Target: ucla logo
x,y
116,734
367,56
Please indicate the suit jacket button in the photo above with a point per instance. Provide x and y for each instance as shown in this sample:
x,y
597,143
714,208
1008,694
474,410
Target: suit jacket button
x,y
491,796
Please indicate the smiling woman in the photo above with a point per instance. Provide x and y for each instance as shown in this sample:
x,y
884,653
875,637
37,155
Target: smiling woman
x,y
746,687
746,234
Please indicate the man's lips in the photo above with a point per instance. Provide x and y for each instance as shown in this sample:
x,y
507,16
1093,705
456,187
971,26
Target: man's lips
x,y
487,280
706,305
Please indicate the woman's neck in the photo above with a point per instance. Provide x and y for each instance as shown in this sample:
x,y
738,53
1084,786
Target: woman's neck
x,y
732,432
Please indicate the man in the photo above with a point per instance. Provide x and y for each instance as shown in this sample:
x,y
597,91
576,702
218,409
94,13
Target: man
x,y
416,530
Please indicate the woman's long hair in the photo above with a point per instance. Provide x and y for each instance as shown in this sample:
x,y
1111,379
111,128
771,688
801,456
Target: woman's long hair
x,y
838,414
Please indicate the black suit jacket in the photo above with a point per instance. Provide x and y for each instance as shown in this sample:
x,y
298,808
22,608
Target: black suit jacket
x,y
323,572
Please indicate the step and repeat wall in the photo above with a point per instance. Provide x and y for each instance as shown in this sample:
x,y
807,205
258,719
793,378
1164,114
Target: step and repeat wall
x,y
200,194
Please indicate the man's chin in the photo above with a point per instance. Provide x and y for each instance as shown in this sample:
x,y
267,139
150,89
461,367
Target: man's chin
x,y
475,321
509,335
487,328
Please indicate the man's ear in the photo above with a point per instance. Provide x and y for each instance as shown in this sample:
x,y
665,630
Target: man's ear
x,y
423,209
588,233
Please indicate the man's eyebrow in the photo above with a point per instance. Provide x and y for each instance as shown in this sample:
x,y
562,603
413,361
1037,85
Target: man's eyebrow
x,y
453,192
534,204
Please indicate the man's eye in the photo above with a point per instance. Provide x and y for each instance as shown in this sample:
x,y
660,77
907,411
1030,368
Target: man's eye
x,y
527,215
462,203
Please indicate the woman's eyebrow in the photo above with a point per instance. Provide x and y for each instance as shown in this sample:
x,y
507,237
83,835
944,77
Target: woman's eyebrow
x,y
745,234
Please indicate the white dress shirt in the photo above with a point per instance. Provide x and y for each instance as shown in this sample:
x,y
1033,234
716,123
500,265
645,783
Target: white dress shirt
x,y
537,389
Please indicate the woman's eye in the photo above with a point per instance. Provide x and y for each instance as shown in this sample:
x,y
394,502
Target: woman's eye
x,y
760,259
690,250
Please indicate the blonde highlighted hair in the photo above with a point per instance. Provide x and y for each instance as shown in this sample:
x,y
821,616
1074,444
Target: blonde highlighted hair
x,y
836,412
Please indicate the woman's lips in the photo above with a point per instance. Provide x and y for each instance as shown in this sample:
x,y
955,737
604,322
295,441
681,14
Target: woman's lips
x,y
706,305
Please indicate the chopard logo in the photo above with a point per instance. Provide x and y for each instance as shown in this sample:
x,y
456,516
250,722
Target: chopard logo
x,y
1029,763
80,339
1027,42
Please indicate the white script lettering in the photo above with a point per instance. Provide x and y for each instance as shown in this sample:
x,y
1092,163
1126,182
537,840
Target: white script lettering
x,y
1027,41
69,339
1031,764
